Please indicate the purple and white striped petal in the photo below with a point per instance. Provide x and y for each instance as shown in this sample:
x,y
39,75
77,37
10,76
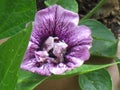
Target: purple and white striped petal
x,y
57,44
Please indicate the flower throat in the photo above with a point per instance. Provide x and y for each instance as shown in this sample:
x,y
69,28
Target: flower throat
x,y
54,49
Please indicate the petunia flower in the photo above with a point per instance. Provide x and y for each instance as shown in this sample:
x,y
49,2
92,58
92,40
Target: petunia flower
x,y
57,44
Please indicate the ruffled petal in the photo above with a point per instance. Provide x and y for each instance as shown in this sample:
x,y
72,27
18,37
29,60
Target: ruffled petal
x,y
31,66
79,35
51,21
44,24
65,21
77,55
59,69
30,52
44,69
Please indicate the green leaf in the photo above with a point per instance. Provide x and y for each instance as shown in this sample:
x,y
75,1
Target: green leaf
x,y
104,42
67,4
28,80
51,2
11,54
14,14
97,80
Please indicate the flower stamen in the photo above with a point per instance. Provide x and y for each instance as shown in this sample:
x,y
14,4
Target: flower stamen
x,y
53,49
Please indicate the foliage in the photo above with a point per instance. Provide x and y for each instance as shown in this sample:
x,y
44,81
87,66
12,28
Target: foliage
x,y
15,14
97,80
11,54
67,4
102,37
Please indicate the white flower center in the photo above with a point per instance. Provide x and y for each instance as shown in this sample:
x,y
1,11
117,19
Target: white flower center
x,y
53,51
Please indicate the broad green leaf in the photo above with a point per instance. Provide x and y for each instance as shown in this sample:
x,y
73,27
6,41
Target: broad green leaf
x,y
51,2
11,54
28,80
67,4
97,80
104,42
14,14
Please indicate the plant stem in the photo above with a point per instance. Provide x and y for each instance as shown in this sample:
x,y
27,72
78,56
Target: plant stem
x,y
93,10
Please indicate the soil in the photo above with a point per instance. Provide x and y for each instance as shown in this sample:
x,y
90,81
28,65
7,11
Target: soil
x,y
108,14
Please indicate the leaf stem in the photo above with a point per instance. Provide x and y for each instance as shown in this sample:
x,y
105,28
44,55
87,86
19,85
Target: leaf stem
x,y
93,10
118,65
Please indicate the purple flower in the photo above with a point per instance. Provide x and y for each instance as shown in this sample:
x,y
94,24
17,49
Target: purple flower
x,y
57,44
